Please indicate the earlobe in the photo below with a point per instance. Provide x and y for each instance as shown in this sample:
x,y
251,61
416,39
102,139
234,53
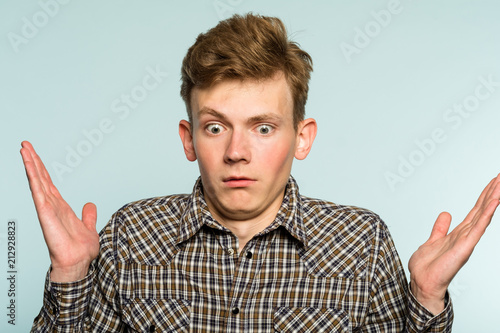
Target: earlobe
x,y
306,133
187,140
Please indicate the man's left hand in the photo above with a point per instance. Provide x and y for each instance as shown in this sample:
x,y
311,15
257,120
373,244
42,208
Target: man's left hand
x,y
438,260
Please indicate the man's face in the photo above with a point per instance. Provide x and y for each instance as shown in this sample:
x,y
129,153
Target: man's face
x,y
244,140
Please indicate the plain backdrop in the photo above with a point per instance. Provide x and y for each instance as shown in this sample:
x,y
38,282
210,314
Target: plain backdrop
x,y
406,94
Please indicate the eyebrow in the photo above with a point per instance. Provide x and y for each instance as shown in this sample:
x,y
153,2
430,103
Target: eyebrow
x,y
206,110
264,117
257,118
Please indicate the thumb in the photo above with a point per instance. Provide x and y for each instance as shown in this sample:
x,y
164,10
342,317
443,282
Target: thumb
x,y
89,216
441,227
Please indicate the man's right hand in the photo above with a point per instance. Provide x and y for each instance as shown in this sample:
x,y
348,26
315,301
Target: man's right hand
x,y
72,243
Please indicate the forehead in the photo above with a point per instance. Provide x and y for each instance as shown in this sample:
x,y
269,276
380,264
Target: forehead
x,y
245,97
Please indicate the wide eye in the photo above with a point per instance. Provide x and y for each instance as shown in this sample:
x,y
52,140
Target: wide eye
x,y
264,129
214,128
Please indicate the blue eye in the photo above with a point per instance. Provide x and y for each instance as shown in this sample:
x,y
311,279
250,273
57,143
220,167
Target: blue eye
x,y
264,129
214,128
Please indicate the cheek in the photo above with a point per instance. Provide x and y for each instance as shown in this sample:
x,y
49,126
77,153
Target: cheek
x,y
205,149
205,155
278,156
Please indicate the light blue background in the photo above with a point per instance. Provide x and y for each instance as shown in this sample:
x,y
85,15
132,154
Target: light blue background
x,y
371,107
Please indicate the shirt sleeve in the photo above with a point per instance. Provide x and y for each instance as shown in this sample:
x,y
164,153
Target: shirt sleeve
x,y
424,321
64,305
88,305
392,307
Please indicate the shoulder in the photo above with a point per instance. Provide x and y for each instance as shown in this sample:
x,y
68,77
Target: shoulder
x,y
164,207
342,239
140,228
152,212
320,214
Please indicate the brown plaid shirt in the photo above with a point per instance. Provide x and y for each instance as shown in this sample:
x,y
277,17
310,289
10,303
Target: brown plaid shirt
x,y
166,265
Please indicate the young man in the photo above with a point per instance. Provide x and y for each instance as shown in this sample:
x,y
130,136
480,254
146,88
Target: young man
x,y
244,251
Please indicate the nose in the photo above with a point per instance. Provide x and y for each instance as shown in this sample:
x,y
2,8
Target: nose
x,y
238,148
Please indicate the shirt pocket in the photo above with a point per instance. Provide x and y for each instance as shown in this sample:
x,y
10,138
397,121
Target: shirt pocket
x,y
309,320
157,315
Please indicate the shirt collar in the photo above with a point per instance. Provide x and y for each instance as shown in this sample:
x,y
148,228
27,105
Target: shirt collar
x,y
290,214
196,214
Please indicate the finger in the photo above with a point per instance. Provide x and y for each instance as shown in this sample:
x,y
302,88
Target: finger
x,y
42,170
492,188
494,193
26,153
441,227
89,216
496,190
484,219
29,155
35,184
483,198
45,179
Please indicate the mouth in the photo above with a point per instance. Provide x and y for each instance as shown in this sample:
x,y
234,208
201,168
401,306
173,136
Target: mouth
x,y
237,181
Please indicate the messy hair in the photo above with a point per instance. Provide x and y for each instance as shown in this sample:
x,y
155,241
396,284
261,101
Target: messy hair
x,y
247,47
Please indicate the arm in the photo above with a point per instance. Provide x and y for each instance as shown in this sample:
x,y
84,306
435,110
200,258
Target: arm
x,y
438,260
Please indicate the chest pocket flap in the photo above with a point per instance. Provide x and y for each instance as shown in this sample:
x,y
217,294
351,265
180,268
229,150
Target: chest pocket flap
x,y
309,320
157,315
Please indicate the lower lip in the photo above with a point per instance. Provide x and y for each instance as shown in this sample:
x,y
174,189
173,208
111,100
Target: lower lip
x,y
239,182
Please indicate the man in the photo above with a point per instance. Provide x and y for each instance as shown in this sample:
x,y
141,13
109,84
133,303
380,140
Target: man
x,y
244,251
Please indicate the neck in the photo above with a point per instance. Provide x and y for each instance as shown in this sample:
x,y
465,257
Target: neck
x,y
246,228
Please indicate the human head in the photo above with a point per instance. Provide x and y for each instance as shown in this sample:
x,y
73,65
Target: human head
x,y
247,47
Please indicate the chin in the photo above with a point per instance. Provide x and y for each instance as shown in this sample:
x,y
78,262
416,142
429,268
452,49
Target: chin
x,y
243,213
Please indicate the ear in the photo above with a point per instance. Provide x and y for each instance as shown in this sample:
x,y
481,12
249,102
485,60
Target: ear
x,y
187,140
306,132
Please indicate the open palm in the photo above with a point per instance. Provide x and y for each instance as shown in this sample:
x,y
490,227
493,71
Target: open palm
x,y
438,260
72,243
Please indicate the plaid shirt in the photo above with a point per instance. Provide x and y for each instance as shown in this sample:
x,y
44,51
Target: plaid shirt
x,y
166,265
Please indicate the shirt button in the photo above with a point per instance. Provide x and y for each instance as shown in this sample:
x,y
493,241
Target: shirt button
x,y
249,255
230,251
235,310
